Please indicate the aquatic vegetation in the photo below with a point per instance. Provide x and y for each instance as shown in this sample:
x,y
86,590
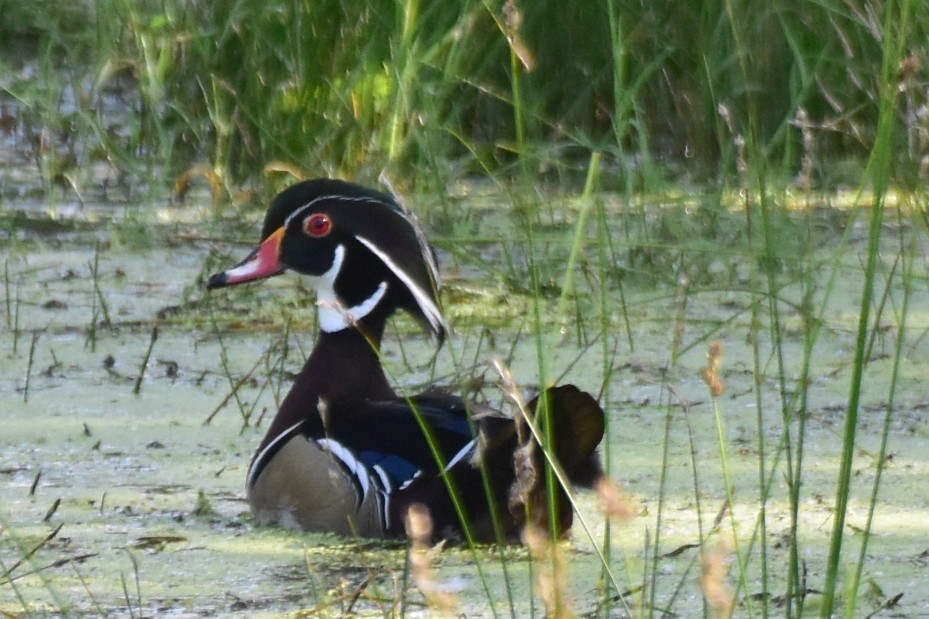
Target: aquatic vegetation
x,y
711,216
137,99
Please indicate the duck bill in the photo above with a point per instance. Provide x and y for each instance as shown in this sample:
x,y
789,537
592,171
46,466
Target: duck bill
x,y
263,262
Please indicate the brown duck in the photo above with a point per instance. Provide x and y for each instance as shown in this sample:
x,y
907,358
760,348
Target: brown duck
x,y
345,453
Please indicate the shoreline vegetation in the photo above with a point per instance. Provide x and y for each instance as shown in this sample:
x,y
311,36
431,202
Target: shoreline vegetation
x,y
713,215
231,94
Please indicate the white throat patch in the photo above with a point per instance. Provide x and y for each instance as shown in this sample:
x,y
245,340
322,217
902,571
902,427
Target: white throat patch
x,y
333,314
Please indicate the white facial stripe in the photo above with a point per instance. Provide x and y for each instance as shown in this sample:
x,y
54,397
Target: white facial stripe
x,y
335,317
429,308
335,198
425,249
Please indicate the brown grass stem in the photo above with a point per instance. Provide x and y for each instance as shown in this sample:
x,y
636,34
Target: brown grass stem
x,y
35,338
16,319
6,290
137,388
27,555
233,393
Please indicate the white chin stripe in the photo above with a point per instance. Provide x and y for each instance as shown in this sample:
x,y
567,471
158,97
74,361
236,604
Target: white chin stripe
x,y
423,299
333,316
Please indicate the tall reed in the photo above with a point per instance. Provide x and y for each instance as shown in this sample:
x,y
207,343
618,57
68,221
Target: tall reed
x,y
738,98
234,91
896,21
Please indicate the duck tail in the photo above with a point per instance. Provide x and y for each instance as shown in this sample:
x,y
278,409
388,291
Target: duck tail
x,y
577,429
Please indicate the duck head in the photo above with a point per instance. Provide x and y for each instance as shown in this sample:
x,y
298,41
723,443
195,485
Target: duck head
x,y
363,253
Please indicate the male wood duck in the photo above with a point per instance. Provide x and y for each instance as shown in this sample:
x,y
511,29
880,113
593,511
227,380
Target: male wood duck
x,y
346,454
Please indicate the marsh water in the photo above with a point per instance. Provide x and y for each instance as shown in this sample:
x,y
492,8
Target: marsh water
x,y
123,450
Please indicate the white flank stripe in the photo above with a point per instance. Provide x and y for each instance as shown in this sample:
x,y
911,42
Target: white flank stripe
x,y
352,463
249,480
388,491
385,478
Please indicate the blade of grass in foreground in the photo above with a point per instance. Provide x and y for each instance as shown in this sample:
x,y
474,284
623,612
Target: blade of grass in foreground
x,y
27,558
458,504
895,21
906,281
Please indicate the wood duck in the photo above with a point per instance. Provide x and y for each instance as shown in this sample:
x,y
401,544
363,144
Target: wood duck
x,y
346,454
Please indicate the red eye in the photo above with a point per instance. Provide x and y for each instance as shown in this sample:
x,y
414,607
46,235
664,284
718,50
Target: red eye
x,y
317,225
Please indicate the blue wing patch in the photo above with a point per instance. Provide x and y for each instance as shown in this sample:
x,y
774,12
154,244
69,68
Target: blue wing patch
x,y
395,471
